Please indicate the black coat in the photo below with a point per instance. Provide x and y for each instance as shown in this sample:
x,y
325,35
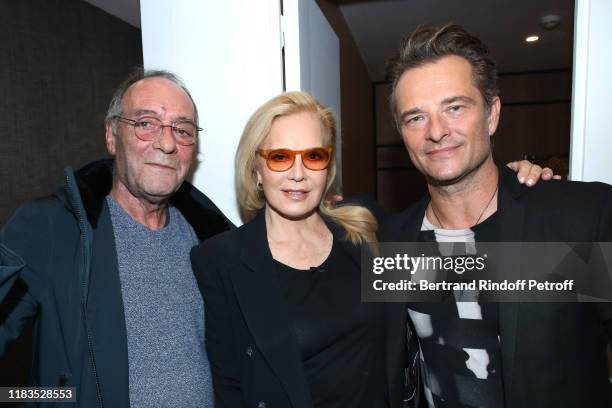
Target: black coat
x,y
58,266
252,347
553,354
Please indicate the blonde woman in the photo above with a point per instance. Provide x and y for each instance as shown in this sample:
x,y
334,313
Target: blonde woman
x,y
285,326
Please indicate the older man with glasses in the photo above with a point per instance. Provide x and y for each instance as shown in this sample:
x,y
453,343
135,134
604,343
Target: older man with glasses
x,y
102,266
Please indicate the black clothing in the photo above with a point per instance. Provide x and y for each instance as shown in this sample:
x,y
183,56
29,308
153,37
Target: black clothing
x,y
553,354
488,230
341,340
251,341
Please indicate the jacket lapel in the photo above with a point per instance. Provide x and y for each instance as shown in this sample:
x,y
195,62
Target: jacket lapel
x,y
512,213
105,317
402,349
266,313
412,220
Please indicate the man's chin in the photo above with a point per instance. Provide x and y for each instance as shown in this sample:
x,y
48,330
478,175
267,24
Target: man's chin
x,y
446,180
159,194
451,175
444,177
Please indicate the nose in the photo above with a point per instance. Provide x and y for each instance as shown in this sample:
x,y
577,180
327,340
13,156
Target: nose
x,y
165,141
438,128
297,172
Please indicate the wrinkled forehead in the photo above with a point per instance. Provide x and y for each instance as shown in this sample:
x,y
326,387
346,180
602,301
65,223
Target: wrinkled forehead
x,y
158,96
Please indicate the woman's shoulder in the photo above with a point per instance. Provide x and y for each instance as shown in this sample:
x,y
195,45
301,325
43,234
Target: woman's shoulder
x,y
218,246
231,242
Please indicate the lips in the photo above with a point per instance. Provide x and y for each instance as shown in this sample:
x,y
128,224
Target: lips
x,y
296,195
442,152
162,166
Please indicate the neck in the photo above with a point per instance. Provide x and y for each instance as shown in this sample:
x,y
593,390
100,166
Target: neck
x,y
281,228
467,202
152,215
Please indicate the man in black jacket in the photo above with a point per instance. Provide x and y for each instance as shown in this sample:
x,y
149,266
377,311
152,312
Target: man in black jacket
x,y
446,105
102,266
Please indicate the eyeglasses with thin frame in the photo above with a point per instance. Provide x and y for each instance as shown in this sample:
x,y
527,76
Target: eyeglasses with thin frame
x,y
150,128
316,158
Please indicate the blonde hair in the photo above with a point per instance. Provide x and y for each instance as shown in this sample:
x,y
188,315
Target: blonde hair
x,y
358,222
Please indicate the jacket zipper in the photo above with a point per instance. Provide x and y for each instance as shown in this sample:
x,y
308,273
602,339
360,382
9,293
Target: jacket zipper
x,y
83,301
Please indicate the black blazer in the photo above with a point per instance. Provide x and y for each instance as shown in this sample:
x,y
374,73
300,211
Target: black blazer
x,y
553,354
251,345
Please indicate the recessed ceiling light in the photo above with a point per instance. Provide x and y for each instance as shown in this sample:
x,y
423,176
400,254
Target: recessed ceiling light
x,y
532,38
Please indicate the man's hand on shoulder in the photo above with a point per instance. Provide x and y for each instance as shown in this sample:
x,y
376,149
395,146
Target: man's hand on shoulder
x,y
529,173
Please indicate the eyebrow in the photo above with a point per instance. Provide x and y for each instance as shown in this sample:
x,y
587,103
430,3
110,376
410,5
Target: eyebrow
x,y
445,101
459,98
145,112
180,119
185,119
410,112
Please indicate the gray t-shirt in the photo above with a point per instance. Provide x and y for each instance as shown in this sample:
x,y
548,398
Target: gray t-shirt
x,y
164,312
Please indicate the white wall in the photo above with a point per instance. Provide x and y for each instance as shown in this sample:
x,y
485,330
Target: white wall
x,y
312,59
229,55
591,140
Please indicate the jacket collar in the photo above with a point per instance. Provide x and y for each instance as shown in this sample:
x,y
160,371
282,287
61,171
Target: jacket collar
x,y
413,219
94,182
511,222
509,192
509,205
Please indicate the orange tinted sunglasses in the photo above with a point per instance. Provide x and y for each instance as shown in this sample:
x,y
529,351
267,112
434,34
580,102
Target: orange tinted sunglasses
x,y
317,158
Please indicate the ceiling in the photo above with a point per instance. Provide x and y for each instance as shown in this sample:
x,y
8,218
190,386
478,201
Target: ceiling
x,y
378,26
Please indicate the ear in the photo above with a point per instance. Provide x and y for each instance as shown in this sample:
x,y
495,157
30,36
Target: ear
x,y
110,139
493,119
259,178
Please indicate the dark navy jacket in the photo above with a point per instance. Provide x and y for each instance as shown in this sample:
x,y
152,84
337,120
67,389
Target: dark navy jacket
x,y
58,266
